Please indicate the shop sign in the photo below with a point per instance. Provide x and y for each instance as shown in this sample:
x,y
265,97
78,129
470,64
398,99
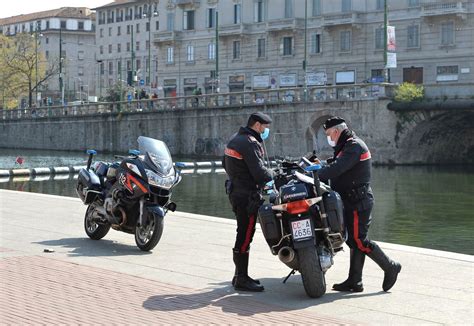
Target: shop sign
x,y
261,81
287,80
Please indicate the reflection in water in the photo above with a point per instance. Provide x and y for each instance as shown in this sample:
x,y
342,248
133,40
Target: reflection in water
x,y
416,206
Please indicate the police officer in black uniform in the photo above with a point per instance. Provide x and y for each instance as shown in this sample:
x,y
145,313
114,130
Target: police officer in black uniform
x,y
349,173
244,164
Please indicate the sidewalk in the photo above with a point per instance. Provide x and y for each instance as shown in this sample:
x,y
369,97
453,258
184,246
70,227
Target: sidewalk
x,y
185,280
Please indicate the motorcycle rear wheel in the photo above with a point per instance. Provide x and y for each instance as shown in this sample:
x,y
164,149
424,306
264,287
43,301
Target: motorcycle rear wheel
x,y
94,230
148,235
314,281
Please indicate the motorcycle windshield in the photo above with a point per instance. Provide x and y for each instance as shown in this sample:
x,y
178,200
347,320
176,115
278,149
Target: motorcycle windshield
x,y
156,154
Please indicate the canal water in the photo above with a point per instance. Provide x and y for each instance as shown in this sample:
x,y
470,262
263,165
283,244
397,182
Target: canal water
x,y
429,207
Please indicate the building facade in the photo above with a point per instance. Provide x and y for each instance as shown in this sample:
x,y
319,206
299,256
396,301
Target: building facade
x,y
70,30
170,46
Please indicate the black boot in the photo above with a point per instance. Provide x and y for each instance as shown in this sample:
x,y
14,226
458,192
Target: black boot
x,y
390,267
241,280
354,281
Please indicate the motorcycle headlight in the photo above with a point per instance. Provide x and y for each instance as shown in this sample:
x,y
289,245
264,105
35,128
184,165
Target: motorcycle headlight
x,y
159,181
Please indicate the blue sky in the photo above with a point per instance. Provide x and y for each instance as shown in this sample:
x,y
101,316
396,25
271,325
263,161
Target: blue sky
x,y
19,7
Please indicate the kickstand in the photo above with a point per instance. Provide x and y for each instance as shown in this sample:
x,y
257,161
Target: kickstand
x,y
293,271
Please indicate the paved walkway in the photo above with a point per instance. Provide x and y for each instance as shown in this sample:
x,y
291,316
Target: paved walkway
x,y
185,280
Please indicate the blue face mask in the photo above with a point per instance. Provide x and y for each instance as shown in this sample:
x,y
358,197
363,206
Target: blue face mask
x,y
265,134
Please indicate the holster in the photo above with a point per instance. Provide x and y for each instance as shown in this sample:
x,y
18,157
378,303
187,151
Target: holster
x,y
228,187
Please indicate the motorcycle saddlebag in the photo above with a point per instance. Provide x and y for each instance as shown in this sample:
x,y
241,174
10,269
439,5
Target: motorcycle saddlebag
x,y
293,192
269,224
334,210
88,186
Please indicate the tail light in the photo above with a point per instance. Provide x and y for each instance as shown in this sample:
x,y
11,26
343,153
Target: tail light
x,y
297,207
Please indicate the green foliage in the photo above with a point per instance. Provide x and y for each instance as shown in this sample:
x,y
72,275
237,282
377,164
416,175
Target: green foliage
x,y
113,93
408,92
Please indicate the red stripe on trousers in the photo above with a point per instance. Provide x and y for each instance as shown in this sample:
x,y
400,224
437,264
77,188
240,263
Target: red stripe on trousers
x,y
359,243
248,234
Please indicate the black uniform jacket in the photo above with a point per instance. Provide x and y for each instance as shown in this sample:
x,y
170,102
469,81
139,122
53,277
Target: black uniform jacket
x,y
243,160
350,167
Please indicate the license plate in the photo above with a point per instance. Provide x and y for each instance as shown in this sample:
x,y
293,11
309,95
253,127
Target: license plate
x,y
301,229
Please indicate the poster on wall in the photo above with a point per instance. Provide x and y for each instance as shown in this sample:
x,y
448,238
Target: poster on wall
x,y
261,81
287,80
345,77
316,78
391,60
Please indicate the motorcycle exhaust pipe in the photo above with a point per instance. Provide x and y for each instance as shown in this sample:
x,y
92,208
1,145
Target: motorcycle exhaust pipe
x,y
287,256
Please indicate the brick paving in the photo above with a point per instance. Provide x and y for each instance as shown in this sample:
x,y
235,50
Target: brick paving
x,y
39,290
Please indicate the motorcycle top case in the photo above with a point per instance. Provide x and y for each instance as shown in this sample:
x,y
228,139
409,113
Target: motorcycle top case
x,y
88,186
269,224
334,210
293,192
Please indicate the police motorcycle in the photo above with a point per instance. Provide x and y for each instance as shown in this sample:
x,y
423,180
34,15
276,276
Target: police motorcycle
x,y
303,223
132,196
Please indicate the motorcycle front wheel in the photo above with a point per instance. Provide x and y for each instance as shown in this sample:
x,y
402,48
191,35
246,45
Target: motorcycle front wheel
x,y
314,281
149,234
94,230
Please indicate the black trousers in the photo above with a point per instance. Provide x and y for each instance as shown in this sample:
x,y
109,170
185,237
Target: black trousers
x,y
357,218
245,222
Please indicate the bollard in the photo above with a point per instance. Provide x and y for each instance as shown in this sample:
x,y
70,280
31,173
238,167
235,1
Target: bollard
x,y
61,170
4,173
203,165
37,171
15,172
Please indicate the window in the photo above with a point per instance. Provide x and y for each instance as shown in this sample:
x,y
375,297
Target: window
x,y
147,45
345,41
315,43
170,55
346,5
119,48
102,68
129,27
110,31
188,20
80,26
259,11
170,22
129,65
261,48
63,24
80,71
119,30
47,40
288,45
288,8
379,38
138,29
237,14
211,15
157,25
413,3
139,64
137,46
119,66
80,55
236,50
147,26
413,37
101,49
111,68
316,7
190,53
101,32
447,33
128,46
46,53
380,5
110,48
211,51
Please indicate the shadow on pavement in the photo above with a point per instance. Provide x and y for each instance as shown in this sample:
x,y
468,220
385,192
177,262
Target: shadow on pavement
x,y
94,248
246,303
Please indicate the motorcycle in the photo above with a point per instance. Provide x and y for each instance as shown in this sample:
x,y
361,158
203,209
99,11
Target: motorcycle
x,y
303,223
131,196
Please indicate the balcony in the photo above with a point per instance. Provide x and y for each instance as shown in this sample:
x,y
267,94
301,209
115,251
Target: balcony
x,y
233,30
166,36
337,19
285,24
188,2
439,9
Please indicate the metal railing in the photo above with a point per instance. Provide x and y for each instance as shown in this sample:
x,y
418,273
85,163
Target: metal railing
x,y
260,98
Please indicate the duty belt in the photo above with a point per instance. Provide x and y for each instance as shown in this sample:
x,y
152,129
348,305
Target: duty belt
x,y
358,193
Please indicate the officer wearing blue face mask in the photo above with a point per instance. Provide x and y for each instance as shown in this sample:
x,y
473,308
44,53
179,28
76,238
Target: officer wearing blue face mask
x,y
244,164
349,173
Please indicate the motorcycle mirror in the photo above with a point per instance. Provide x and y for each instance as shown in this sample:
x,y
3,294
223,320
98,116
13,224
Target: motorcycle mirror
x,y
171,206
133,152
91,153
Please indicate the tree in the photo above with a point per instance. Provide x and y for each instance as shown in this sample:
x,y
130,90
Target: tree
x,y
18,61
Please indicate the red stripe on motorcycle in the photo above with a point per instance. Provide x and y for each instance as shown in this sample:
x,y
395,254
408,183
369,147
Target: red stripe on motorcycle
x,y
359,243
135,181
248,234
365,156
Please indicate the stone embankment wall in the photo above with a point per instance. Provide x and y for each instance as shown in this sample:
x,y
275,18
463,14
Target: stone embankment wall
x,y
297,129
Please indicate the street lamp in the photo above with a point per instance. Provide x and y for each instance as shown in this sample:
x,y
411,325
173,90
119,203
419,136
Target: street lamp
x,y
149,15
99,62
